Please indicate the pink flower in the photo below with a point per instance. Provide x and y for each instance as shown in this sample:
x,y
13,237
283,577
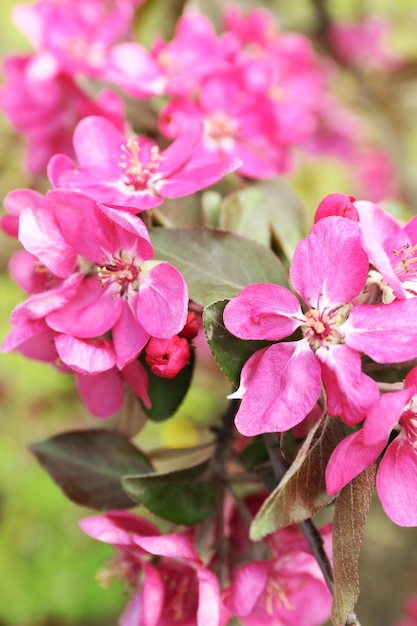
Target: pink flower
x,y
100,297
173,588
363,43
237,123
133,173
44,105
281,384
397,473
287,589
172,68
391,246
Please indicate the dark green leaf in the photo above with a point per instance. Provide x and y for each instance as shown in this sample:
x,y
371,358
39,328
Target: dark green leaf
x,y
166,394
352,506
216,264
157,18
88,466
182,497
230,352
302,491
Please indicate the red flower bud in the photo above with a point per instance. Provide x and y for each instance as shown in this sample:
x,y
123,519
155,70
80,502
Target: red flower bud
x,y
190,329
167,357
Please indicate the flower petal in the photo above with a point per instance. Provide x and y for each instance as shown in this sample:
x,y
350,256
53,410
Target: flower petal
x,y
162,301
396,482
330,266
275,400
263,311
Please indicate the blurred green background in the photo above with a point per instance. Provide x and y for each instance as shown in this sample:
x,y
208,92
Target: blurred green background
x,y
47,565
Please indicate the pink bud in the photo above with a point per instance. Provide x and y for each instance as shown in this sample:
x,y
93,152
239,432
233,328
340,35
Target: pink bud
x,y
167,357
337,204
190,329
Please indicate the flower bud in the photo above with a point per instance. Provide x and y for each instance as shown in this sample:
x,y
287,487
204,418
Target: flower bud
x,y
190,329
167,357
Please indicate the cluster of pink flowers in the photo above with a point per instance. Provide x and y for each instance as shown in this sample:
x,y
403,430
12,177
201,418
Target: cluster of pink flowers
x,y
257,92
101,306
97,298
172,585
355,273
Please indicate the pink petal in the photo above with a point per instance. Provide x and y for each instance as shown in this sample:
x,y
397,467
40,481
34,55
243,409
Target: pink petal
x,y
91,313
171,545
117,527
248,584
129,337
121,230
387,332
187,182
263,311
396,482
136,377
275,401
41,236
162,301
102,393
349,459
86,356
350,392
329,267
97,143
75,213
153,596
208,613
385,414
133,612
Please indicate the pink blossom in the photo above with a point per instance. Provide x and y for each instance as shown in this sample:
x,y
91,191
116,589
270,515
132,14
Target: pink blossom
x,y
173,68
397,472
100,296
174,588
237,123
363,43
329,270
44,105
133,173
390,245
286,589
76,33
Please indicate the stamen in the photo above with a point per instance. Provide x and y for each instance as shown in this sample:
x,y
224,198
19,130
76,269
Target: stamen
x,y
137,173
120,272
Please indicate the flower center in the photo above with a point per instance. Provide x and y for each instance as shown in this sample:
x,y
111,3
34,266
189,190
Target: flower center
x,y
219,125
120,272
276,596
320,327
181,594
136,174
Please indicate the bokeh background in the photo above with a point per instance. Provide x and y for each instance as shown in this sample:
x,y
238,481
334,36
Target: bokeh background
x,y
47,565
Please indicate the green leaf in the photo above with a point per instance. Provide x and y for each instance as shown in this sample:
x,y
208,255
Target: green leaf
x,y
243,212
352,506
181,497
255,459
88,466
216,264
166,394
302,491
230,352
286,214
